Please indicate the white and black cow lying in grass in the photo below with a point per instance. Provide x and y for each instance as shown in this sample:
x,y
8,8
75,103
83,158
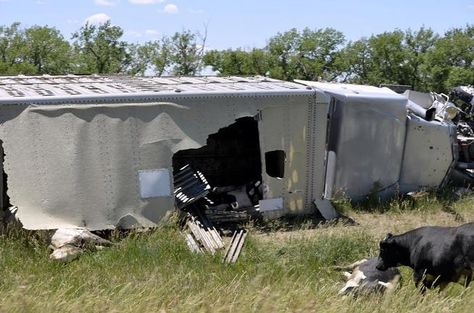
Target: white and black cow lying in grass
x,y
438,255
363,277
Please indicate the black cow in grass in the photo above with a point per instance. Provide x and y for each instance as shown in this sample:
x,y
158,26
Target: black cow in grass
x,y
438,255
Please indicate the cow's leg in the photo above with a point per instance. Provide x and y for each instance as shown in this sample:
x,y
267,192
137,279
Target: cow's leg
x,y
468,279
425,279
418,277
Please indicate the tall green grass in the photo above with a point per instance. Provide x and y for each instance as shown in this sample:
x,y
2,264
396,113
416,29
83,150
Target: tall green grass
x,y
155,272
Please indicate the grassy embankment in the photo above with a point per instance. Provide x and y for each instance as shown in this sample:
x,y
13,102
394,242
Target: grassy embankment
x,y
278,271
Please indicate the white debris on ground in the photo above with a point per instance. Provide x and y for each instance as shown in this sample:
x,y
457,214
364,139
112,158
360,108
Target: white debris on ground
x,y
68,243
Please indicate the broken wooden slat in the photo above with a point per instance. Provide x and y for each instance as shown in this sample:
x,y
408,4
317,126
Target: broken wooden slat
x,y
207,234
203,231
200,235
239,246
235,247
192,244
229,246
210,228
228,257
217,238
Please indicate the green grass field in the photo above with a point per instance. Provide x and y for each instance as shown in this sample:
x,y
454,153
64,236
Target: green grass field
x,y
278,271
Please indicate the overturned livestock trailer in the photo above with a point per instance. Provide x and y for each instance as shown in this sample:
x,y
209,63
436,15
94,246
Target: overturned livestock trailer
x,y
100,152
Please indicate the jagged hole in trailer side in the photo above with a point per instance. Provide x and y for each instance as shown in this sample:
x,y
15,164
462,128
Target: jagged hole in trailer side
x,y
230,161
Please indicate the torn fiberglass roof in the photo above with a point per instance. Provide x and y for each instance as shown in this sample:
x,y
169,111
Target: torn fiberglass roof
x,y
49,89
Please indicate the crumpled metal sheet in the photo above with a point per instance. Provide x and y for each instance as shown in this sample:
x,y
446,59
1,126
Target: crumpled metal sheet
x,y
78,165
366,139
428,154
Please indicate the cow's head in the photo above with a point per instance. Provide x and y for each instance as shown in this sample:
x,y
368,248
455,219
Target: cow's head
x,y
389,254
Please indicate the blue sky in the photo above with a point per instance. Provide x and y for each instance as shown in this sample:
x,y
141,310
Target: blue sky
x,y
242,23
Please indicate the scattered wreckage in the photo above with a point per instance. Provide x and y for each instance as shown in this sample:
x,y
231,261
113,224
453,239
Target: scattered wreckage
x,y
97,152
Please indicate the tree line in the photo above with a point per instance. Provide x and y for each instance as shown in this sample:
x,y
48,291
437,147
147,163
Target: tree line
x,y
421,58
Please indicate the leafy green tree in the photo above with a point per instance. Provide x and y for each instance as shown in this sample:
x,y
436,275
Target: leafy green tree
x,y
137,63
99,49
258,62
392,57
283,49
186,51
160,56
318,52
355,62
451,61
238,62
388,58
309,54
47,50
12,48
152,57
223,62
418,45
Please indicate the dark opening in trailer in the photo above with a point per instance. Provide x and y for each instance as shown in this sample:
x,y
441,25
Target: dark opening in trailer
x,y
231,156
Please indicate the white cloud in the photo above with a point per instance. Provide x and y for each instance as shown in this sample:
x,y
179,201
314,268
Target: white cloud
x,y
106,3
99,18
145,1
171,8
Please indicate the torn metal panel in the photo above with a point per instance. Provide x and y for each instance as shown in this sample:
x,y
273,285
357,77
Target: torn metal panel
x,y
326,209
423,99
101,161
86,162
366,139
428,154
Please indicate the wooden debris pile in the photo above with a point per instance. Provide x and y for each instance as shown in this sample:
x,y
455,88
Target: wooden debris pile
x,y
205,206
202,236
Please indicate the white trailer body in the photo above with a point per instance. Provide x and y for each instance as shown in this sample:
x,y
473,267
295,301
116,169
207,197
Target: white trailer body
x,y
99,152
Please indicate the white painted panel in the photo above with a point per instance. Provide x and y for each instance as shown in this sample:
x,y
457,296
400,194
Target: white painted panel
x,y
154,183
271,204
